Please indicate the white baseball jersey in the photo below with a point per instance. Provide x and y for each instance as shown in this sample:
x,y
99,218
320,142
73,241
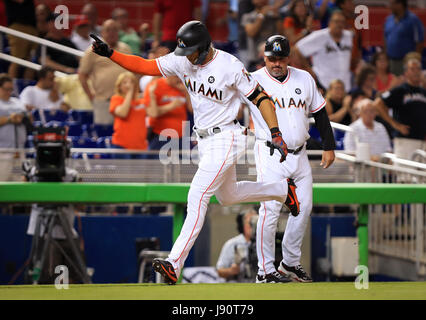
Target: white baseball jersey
x,y
294,99
329,60
215,93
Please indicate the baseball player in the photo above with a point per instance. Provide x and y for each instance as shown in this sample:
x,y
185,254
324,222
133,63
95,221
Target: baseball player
x,y
295,95
215,81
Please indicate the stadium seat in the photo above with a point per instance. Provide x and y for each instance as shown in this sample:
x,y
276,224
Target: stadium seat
x,y
339,136
103,130
103,142
82,142
74,129
82,116
20,84
55,115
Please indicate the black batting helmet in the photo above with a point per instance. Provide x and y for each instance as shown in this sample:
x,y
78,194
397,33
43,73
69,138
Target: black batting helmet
x,y
277,46
192,36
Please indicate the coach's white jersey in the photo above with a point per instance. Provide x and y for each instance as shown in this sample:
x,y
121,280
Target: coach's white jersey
x,y
329,60
294,99
215,88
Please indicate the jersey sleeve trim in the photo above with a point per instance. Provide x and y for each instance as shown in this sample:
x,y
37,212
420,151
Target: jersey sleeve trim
x,y
317,109
160,68
251,91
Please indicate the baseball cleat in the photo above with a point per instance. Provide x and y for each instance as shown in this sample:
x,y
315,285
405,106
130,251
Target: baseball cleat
x,y
166,269
274,277
296,273
292,202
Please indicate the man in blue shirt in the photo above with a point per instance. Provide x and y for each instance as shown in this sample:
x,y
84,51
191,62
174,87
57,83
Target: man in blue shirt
x,y
403,34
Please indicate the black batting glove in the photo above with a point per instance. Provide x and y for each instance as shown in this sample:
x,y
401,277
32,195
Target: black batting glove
x,y
101,48
277,143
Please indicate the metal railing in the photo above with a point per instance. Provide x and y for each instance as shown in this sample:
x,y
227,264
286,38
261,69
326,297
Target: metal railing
x,y
396,231
42,42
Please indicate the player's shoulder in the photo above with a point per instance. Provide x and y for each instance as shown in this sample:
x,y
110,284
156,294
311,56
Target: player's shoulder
x,y
348,33
300,74
230,59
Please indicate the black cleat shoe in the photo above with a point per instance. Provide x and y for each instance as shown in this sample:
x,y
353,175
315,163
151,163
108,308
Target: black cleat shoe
x,y
297,273
292,202
166,269
274,277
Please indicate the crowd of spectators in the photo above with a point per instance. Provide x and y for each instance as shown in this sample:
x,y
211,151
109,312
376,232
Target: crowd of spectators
x,y
368,94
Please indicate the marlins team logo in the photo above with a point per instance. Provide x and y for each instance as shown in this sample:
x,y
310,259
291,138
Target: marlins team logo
x,y
181,44
276,46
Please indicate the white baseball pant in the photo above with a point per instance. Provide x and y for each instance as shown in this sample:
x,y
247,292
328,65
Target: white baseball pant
x,y
270,170
216,175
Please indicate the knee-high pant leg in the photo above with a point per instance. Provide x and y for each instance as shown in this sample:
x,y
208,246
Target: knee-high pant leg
x,y
296,226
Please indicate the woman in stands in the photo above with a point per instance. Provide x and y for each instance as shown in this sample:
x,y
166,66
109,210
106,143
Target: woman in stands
x,y
129,113
338,103
385,80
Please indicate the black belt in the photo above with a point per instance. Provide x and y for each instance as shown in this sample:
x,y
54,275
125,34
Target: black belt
x,y
215,130
297,150
293,151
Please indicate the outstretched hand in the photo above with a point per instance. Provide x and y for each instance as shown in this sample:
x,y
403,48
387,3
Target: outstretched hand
x,y
100,47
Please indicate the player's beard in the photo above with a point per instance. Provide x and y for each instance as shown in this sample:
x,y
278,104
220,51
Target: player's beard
x,y
278,72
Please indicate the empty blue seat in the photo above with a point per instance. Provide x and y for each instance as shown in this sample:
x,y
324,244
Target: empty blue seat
x,y
55,115
74,129
83,142
20,84
82,116
103,130
103,142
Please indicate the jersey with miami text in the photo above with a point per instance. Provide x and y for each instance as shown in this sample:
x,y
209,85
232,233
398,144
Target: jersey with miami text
x,y
215,88
294,99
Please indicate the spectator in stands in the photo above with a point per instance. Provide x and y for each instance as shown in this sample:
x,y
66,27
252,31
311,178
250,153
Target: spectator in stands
x,y
339,104
323,10
129,113
385,80
364,82
234,259
127,34
42,12
169,16
403,33
244,6
143,33
367,130
44,95
167,97
259,24
103,73
12,129
231,18
330,50
57,59
90,11
80,36
21,17
408,103
12,113
348,9
70,87
153,54
298,23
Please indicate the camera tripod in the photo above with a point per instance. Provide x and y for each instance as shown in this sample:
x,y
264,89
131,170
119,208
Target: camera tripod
x,y
50,216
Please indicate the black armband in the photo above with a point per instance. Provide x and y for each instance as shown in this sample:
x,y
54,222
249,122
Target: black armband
x,y
323,125
258,90
261,99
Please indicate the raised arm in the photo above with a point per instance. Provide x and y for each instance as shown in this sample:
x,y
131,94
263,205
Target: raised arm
x,y
132,63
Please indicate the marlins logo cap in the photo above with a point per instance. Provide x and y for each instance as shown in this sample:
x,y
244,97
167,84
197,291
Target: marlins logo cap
x,y
277,46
